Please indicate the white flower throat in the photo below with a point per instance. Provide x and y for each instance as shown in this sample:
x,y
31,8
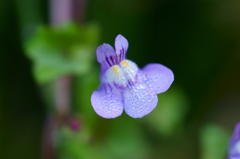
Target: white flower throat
x,y
121,74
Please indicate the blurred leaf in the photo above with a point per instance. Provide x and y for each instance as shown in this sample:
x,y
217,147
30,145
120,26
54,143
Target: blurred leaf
x,y
83,91
29,16
126,140
73,145
214,141
170,111
63,50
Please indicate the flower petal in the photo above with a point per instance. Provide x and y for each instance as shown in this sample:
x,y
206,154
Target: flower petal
x,y
121,45
159,77
107,103
103,51
139,100
234,144
236,134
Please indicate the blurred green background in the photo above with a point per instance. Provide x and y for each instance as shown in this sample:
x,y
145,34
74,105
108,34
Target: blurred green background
x,y
198,40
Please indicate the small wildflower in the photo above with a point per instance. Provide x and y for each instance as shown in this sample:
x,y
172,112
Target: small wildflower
x,y
124,86
234,144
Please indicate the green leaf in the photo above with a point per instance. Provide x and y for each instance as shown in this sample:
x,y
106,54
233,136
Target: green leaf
x,y
73,145
64,50
83,88
170,111
126,140
214,141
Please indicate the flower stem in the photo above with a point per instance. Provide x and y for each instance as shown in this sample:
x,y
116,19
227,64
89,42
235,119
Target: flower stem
x,y
61,11
62,95
66,10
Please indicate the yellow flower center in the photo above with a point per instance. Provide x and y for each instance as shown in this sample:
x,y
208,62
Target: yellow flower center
x,y
124,63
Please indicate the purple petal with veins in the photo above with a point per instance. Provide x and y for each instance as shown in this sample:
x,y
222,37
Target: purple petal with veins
x,y
124,86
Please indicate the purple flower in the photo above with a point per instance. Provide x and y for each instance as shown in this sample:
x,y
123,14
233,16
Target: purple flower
x,y
234,144
124,85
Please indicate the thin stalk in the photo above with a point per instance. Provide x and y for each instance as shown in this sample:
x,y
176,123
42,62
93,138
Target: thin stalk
x,y
61,11
62,95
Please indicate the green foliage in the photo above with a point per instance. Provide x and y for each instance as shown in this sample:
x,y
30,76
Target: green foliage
x,y
119,144
29,17
214,141
83,88
170,111
73,145
62,50
126,140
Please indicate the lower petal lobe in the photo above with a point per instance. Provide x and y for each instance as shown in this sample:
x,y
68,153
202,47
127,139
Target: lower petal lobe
x,y
158,77
106,102
139,100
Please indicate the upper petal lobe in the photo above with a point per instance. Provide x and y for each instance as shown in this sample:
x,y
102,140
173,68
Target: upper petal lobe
x,y
103,51
121,45
158,77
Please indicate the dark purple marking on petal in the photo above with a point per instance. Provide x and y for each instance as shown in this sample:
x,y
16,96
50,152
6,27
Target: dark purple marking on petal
x,y
108,62
119,87
130,83
121,45
103,51
112,59
108,57
120,57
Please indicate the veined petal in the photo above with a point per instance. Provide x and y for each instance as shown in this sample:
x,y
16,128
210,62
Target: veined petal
x,y
106,102
121,46
159,77
104,51
139,100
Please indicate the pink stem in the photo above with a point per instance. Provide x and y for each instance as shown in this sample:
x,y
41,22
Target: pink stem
x,y
61,11
66,10
62,98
